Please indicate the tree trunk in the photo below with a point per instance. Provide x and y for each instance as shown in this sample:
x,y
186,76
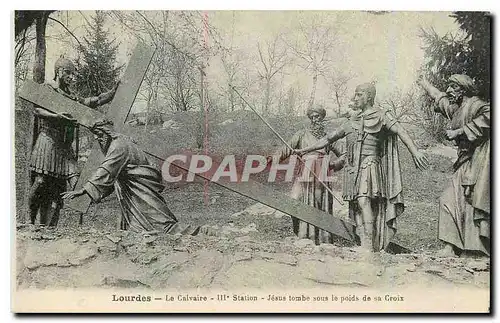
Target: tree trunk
x,y
338,103
313,91
267,97
40,49
39,77
231,99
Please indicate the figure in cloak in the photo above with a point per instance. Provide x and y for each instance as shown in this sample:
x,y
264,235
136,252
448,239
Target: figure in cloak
x,y
309,190
53,161
372,177
137,183
464,207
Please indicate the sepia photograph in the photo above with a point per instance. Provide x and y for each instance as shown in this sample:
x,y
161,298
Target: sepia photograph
x,y
201,161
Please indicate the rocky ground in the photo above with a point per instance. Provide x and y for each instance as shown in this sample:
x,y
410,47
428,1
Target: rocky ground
x,y
84,257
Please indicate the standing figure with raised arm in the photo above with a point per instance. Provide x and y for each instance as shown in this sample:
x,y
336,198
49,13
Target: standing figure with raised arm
x,y
372,175
464,207
53,161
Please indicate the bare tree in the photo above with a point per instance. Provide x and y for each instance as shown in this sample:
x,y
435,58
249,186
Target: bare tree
x,y
273,59
24,48
337,83
312,47
401,104
175,69
232,66
411,107
232,62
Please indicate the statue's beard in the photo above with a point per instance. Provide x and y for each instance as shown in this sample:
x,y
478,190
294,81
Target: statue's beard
x,y
318,129
455,98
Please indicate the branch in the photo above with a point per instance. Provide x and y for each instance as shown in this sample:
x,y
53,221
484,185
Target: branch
x,y
164,39
86,20
338,99
21,50
66,28
262,59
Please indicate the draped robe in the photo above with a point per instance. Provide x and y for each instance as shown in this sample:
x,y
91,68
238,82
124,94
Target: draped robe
x,y
464,221
138,186
376,177
309,190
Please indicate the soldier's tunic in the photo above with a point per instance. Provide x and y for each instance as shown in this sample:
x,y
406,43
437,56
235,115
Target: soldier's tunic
x,y
52,153
465,222
309,190
373,170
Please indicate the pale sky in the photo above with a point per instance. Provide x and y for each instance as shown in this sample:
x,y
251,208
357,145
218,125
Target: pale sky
x,y
384,48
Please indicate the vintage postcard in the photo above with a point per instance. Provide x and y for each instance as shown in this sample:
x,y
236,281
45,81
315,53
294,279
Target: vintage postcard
x,y
251,161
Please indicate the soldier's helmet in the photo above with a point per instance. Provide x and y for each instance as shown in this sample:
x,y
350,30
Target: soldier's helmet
x,y
64,63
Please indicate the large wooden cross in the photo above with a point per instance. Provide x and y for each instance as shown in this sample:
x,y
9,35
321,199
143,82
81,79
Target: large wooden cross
x,y
120,106
117,112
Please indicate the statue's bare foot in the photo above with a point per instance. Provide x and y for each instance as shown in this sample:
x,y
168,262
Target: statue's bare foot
x,y
473,255
209,230
366,246
446,252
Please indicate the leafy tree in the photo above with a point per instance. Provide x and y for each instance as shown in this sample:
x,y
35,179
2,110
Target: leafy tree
x,y
97,68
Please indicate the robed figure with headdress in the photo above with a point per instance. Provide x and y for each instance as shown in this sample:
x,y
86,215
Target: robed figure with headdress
x,y
306,186
464,207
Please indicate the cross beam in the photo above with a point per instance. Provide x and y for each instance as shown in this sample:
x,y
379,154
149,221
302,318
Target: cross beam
x,y
117,112
281,202
55,102
46,97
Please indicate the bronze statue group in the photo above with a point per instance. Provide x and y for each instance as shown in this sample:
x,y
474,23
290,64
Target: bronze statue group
x,y
372,181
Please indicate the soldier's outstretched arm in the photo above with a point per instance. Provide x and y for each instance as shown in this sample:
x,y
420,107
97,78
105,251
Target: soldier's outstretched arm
x,y
419,158
323,142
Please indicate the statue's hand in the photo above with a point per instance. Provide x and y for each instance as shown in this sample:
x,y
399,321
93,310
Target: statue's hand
x,y
269,160
72,194
421,161
467,191
452,134
338,163
67,116
298,152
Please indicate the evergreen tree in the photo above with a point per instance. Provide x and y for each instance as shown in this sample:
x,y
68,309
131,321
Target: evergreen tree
x,y
97,70
467,52
477,26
